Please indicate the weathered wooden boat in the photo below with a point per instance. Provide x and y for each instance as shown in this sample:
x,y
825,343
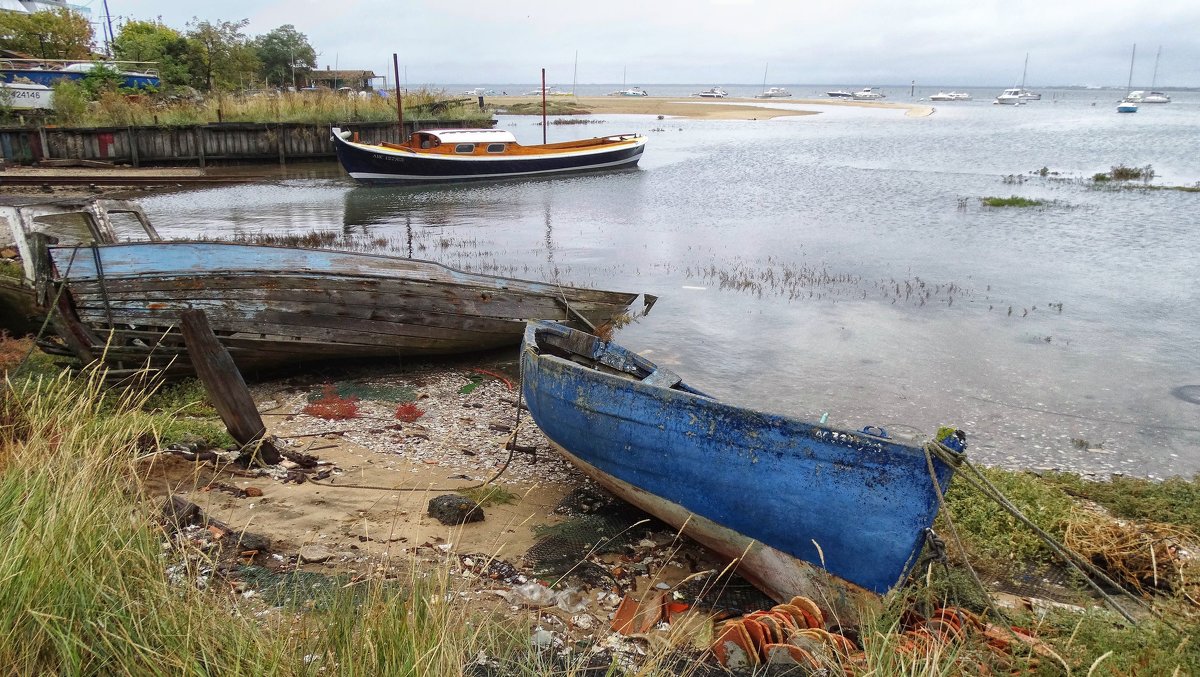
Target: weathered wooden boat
x,y
836,515
68,221
432,155
274,306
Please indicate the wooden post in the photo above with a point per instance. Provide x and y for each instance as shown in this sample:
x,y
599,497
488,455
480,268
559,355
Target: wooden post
x,y
131,138
45,144
282,147
543,106
399,103
198,136
223,382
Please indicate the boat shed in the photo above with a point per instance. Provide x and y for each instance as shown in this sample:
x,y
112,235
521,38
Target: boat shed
x,y
354,79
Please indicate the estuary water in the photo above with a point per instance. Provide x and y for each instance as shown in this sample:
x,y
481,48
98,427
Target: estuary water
x,y
842,264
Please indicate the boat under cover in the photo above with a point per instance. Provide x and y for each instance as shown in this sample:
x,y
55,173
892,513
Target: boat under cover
x,y
831,514
432,155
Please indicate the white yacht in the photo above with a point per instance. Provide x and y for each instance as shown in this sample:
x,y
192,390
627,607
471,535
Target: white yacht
x,y
632,91
950,96
713,93
868,94
1010,97
774,93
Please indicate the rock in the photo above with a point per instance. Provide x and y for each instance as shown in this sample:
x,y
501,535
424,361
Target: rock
x,y
252,492
248,540
452,510
315,554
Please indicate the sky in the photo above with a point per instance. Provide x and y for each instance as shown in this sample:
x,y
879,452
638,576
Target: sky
x,y
647,42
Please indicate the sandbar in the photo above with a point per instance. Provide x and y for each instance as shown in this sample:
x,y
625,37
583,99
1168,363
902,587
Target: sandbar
x,y
688,107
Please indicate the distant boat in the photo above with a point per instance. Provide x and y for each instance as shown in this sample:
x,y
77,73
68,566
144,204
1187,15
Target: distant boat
x,y
712,93
549,91
804,508
20,96
432,155
480,91
48,71
1153,96
868,94
632,91
774,93
1128,104
1010,97
950,96
839,94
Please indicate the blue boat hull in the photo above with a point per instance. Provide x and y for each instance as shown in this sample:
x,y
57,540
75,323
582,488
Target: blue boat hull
x,y
49,77
373,165
851,504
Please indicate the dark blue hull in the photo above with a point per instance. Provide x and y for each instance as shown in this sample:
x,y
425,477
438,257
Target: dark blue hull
x,y
853,504
49,77
381,166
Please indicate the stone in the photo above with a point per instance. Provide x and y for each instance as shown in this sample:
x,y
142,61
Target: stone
x,y
315,554
452,510
252,492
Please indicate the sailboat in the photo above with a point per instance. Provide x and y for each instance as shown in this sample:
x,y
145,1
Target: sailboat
x,y
1128,105
1015,96
1153,96
772,92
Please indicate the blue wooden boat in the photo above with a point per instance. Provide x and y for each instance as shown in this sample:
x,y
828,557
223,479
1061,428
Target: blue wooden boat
x,y
836,515
433,155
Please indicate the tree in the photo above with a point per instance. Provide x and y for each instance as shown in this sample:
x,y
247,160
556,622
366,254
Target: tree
x,y
48,34
220,56
154,42
282,51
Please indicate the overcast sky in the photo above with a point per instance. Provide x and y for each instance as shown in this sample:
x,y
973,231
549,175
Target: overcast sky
x,y
853,42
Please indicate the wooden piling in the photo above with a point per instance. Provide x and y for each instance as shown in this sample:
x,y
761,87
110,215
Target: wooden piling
x,y
225,386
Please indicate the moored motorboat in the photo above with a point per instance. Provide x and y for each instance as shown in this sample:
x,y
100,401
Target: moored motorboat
x,y
774,93
1010,97
868,94
1156,97
950,96
839,94
806,509
471,154
632,91
712,93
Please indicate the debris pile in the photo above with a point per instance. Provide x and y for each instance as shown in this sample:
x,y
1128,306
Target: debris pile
x,y
1144,556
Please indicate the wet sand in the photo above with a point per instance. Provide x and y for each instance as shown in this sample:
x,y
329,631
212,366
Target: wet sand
x,y
710,109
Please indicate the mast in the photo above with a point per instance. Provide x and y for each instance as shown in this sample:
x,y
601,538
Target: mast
x,y
575,75
399,104
765,76
1129,84
1154,78
1024,71
543,106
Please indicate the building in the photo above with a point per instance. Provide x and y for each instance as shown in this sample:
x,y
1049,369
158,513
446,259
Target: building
x,y
330,79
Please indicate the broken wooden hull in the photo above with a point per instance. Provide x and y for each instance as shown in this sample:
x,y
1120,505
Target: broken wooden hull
x,y
278,306
833,515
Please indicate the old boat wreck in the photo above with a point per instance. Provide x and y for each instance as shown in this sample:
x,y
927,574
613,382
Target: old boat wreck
x,y
119,301
835,515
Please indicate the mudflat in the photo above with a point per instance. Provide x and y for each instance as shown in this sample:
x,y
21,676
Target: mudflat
x,y
688,107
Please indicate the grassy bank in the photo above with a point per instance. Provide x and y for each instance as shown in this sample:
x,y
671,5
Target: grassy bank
x,y
120,110
92,583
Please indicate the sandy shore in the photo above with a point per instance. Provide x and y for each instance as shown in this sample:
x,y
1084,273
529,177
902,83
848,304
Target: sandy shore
x,y
723,109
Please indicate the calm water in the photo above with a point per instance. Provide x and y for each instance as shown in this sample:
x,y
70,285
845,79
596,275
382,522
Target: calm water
x,y
841,263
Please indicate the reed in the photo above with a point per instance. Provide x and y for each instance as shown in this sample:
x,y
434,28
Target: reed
x,y
1014,201
113,109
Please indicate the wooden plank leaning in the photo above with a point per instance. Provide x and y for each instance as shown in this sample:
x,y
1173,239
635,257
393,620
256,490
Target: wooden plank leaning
x,y
226,388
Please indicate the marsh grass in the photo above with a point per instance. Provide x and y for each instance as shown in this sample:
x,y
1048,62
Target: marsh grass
x,y
1013,201
113,109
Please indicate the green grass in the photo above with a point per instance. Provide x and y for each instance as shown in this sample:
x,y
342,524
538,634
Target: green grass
x,y
992,533
1174,501
1014,201
491,494
12,269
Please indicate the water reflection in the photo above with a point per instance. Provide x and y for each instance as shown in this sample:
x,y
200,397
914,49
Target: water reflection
x,y
843,264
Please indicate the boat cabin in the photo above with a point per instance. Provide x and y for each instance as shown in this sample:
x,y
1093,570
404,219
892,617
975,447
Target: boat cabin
x,y
462,141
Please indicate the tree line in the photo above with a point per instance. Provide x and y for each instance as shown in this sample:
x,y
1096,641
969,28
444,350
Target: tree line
x,y
206,55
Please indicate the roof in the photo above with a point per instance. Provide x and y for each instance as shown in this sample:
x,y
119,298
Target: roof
x,y
471,135
340,75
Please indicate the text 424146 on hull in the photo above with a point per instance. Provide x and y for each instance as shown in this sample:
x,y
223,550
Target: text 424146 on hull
x,y
432,155
807,510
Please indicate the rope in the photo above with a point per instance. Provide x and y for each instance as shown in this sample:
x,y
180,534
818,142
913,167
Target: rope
x,y
956,460
1071,558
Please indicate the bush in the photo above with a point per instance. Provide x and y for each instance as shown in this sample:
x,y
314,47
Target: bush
x,y
70,101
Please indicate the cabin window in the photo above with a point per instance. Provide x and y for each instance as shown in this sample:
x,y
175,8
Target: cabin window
x,y
464,148
495,148
69,229
128,227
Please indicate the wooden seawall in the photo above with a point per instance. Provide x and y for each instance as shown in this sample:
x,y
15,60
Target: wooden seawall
x,y
197,145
